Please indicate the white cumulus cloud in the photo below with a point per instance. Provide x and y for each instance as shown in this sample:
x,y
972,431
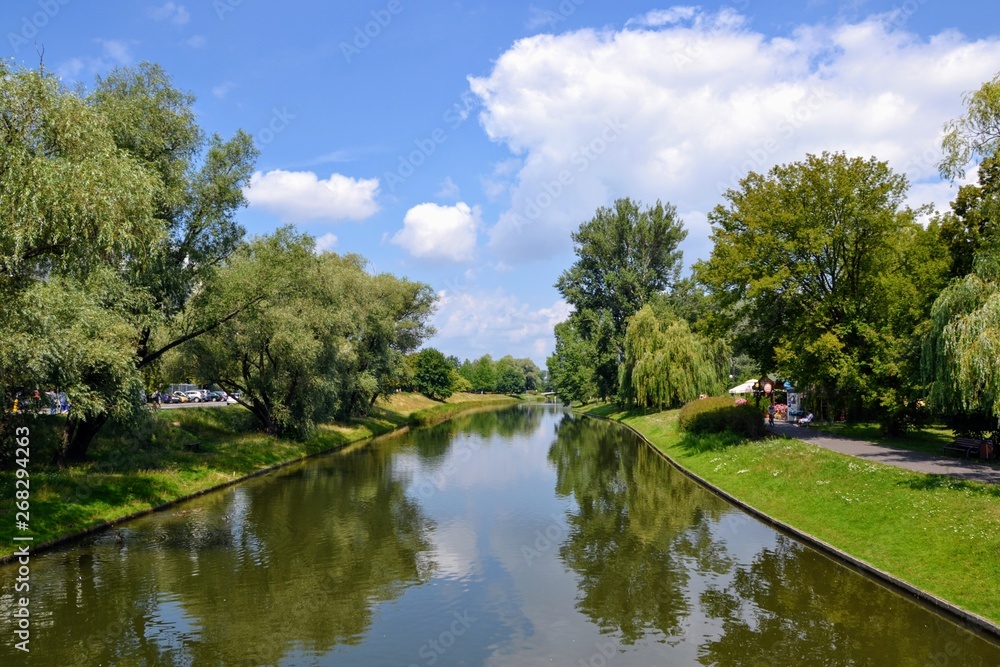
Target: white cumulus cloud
x,y
170,11
435,232
478,321
659,17
679,105
326,242
299,196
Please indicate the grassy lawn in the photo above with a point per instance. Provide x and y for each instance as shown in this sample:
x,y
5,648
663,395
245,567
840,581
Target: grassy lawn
x,y
940,534
133,469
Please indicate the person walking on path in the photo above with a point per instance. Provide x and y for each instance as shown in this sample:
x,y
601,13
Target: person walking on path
x,y
770,414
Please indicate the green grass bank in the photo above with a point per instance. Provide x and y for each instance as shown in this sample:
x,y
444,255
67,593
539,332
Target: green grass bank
x,y
131,471
941,535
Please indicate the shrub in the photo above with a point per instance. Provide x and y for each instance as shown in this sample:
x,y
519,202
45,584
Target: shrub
x,y
719,414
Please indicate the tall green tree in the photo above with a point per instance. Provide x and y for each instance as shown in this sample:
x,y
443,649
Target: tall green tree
x,y
625,255
510,377
959,351
484,374
72,204
198,186
432,374
533,376
393,322
570,366
322,343
808,271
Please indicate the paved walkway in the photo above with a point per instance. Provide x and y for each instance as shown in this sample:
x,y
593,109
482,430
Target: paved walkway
x,y
901,458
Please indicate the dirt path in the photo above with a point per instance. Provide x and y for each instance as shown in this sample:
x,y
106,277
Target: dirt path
x,y
901,458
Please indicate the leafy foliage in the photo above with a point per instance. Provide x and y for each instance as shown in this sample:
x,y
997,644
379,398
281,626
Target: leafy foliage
x,y
666,364
625,255
571,370
961,348
819,273
324,341
432,374
721,414
483,374
974,135
510,377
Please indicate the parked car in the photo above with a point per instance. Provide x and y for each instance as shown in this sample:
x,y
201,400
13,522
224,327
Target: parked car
x,y
166,398
193,395
217,396
180,397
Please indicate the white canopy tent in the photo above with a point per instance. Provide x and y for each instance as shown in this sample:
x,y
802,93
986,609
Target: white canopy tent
x,y
745,388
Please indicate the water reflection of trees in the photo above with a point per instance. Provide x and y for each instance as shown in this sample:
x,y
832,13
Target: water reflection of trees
x,y
433,442
638,528
299,566
792,606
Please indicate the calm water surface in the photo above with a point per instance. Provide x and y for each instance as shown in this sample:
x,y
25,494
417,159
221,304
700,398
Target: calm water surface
x,y
523,537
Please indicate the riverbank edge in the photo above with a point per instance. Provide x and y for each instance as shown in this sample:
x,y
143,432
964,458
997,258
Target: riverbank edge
x,y
468,408
956,614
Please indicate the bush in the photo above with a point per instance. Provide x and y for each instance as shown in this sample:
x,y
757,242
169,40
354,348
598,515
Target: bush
x,y
720,414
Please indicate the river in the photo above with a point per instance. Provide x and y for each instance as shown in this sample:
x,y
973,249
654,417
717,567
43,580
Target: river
x,y
524,536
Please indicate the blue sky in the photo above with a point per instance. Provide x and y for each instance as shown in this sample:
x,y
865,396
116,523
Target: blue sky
x,y
459,143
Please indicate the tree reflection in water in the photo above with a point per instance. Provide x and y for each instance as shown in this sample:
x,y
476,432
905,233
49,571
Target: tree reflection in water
x,y
793,606
248,576
295,568
638,528
642,532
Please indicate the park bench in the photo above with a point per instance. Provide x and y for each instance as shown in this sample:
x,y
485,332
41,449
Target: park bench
x,y
966,446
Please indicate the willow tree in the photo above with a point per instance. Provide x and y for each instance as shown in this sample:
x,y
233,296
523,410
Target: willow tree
x,y
666,364
323,341
119,182
961,348
72,205
974,135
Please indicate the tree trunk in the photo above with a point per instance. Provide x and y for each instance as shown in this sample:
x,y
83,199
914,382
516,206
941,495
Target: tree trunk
x,y
76,439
